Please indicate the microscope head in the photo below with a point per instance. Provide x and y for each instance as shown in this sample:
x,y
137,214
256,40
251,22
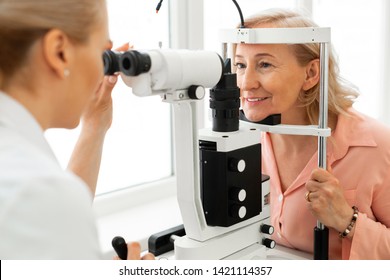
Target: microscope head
x,y
155,72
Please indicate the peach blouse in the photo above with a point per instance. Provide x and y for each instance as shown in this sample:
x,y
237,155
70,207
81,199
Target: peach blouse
x,y
359,154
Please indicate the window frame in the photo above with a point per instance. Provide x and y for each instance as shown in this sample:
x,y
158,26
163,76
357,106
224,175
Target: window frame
x,y
185,32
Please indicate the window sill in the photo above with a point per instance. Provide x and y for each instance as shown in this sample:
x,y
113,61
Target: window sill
x,y
136,213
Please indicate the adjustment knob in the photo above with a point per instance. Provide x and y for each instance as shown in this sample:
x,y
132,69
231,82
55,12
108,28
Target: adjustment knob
x,y
237,194
269,243
238,211
267,229
237,165
196,92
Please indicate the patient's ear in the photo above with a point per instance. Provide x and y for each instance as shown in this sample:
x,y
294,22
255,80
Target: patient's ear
x,y
57,51
312,74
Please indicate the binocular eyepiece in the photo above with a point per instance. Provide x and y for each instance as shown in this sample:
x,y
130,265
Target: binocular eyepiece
x,y
130,63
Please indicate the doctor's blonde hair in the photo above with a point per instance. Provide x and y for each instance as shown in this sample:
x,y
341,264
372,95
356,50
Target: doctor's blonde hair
x,y
22,22
341,94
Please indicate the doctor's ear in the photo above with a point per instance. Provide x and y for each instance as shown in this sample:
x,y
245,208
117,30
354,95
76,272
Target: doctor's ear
x,y
312,74
57,52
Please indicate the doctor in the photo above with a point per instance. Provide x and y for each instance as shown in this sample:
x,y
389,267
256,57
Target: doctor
x,y
51,77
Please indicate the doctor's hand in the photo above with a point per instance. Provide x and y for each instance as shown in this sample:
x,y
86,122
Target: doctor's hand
x,y
326,201
134,252
97,117
96,120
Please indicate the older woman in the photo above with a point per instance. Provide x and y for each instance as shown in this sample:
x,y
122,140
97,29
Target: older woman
x,y
351,197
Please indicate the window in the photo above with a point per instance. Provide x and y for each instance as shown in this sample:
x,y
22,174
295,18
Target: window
x,y
357,36
137,147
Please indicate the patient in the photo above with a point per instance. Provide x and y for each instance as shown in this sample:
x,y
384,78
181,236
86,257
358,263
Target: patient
x,y
351,197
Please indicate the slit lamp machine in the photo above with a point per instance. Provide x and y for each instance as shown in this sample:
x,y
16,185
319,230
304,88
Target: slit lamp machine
x,y
222,195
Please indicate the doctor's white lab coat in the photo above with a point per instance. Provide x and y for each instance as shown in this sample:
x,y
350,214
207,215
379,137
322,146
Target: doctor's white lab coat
x,y
45,212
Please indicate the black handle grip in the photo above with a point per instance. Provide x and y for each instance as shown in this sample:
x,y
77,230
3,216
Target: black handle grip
x,y
120,247
321,243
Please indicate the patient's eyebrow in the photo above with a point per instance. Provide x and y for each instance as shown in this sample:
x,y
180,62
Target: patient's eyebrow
x,y
256,55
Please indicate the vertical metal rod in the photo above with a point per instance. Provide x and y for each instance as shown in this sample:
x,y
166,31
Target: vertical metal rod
x,y
323,114
224,51
321,232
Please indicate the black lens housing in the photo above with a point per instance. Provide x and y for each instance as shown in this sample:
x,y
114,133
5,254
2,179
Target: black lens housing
x,y
225,102
133,63
111,62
